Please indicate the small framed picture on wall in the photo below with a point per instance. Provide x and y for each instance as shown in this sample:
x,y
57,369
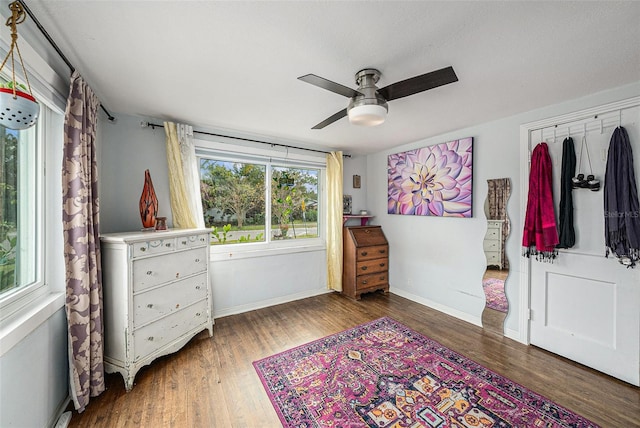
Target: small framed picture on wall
x,y
356,181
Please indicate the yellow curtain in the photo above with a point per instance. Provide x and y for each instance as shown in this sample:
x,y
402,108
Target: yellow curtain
x,y
180,207
334,221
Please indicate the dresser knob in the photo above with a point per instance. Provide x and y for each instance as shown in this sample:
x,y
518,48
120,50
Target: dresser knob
x,y
382,251
143,249
197,314
382,278
177,274
364,281
150,338
364,253
364,268
149,272
184,242
381,264
197,287
150,305
197,260
367,231
168,244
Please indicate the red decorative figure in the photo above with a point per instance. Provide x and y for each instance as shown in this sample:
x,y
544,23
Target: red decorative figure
x,y
148,203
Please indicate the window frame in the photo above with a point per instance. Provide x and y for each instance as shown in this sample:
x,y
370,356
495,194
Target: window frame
x,y
220,150
17,299
23,309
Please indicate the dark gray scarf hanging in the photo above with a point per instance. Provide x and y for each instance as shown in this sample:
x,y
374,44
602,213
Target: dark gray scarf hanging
x,y
567,233
621,207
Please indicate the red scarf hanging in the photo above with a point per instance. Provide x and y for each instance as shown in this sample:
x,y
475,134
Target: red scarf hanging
x,y
540,235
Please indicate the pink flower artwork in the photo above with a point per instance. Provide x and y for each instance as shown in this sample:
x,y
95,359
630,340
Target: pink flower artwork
x,y
432,181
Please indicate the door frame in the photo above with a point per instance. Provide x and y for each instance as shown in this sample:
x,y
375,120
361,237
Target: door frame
x,y
609,115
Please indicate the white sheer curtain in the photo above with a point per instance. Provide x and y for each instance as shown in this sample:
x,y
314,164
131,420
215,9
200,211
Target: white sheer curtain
x,y
334,221
184,178
191,171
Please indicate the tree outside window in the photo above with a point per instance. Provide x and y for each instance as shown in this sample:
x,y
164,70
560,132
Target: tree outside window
x,y
8,208
19,196
233,199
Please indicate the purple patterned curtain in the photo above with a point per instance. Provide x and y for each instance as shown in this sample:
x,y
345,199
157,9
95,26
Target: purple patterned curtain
x,y
82,244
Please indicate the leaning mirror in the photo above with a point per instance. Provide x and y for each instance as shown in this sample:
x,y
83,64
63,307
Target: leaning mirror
x,y
495,207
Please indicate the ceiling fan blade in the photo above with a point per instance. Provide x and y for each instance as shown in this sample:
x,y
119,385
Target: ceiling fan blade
x,y
329,85
417,84
331,119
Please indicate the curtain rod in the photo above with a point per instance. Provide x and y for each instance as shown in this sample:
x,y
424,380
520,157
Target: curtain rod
x,y
154,125
55,46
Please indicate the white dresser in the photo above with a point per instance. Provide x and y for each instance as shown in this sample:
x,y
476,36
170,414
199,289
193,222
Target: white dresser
x,y
493,243
156,295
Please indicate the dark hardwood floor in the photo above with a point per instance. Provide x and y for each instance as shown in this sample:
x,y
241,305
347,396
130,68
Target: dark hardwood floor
x,y
212,383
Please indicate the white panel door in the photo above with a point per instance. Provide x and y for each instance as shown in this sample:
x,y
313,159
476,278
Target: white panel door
x,y
584,306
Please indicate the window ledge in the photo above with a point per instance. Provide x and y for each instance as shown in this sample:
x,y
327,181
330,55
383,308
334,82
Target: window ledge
x,y
234,253
18,327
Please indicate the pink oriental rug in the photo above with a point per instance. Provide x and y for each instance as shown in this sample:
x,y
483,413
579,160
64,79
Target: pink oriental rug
x,y
494,292
383,374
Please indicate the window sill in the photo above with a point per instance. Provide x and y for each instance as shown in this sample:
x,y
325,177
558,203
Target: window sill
x,y
241,251
20,326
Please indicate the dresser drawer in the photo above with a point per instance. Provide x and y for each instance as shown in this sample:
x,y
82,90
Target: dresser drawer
x,y
491,245
158,270
493,233
156,335
493,257
375,252
371,280
192,241
372,266
159,302
154,246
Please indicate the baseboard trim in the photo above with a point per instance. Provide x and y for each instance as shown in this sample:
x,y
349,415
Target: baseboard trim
x,y
439,307
514,335
270,302
58,414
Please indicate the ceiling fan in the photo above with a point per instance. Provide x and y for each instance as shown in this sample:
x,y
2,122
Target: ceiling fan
x,y
368,104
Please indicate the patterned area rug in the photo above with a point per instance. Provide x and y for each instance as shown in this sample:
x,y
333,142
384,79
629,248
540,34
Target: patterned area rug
x,y
383,374
494,291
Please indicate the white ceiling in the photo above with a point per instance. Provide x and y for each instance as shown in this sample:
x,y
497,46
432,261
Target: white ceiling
x,y
232,65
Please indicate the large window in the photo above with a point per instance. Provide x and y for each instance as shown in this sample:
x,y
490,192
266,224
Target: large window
x,y
258,201
20,201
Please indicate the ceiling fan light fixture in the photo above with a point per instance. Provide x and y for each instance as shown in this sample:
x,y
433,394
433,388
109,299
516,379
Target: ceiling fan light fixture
x,y
367,114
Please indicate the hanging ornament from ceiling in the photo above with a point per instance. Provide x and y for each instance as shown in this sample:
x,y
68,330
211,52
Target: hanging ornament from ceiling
x,y
18,107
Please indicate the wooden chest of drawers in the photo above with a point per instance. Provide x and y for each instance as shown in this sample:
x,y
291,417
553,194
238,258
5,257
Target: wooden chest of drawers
x,y
366,261
156,295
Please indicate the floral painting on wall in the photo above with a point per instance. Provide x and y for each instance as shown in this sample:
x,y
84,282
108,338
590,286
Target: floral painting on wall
x,y
432,181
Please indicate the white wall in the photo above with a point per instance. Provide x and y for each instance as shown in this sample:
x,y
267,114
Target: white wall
x,y
356,165
126,150
435,261
439,261
239,283
34,376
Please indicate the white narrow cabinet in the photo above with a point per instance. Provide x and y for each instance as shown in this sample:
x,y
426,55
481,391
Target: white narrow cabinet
x,y
156,295
493,243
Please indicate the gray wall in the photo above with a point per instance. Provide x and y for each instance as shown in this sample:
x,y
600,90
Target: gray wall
x,y
356,165
34,376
